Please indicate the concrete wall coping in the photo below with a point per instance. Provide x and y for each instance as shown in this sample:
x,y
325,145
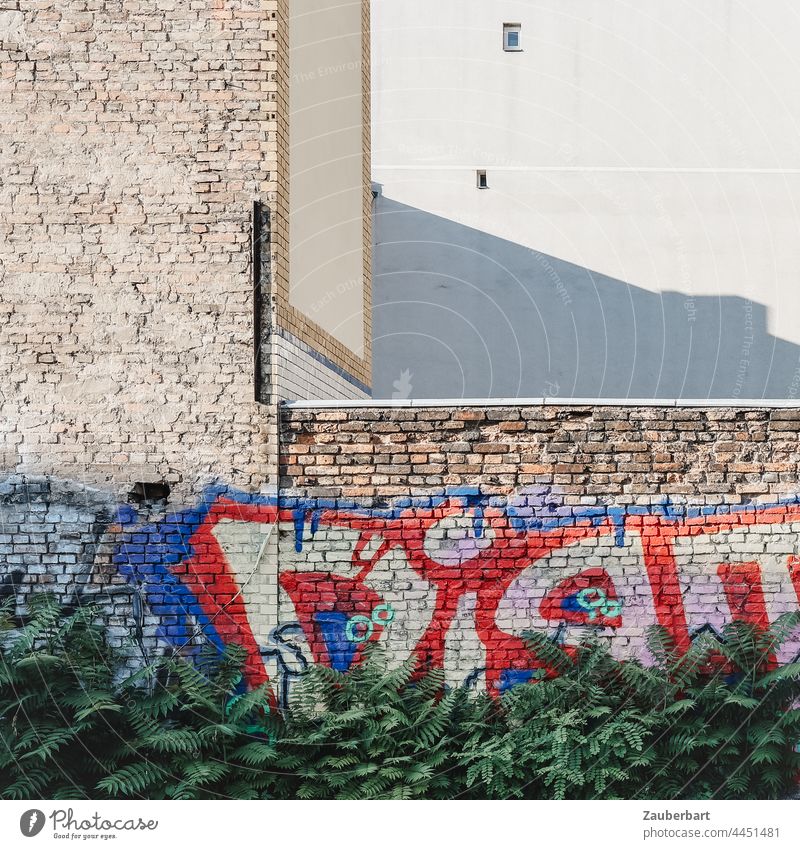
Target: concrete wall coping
x,y
750,404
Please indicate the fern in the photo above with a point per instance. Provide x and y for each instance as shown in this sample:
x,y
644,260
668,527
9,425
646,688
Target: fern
x,y
719,721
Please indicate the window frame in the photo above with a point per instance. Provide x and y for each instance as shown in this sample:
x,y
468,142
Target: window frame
x,y
509,28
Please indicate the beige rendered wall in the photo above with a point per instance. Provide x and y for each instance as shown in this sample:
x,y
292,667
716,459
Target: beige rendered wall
x,y
329,244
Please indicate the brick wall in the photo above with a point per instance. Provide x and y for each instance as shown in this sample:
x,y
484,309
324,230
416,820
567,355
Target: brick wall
x,y
136,469
444,533
135,135
477,524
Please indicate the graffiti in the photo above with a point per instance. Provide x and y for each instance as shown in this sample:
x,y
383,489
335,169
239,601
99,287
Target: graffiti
x,y
594,600
454,581
10,591
287,654
360,628
451,582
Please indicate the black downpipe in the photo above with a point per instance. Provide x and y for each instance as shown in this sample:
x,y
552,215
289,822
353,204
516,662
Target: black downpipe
x,y
257,299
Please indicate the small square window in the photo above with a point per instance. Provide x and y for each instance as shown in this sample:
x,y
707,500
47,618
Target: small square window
x,y
482,181
512,37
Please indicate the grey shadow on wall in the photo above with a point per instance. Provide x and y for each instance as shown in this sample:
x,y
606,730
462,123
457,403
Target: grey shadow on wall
x,y
459,313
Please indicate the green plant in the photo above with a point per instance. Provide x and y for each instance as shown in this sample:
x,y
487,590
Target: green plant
x,y
583,734
373,733
192,733
68,729
735,723
58,712
719,721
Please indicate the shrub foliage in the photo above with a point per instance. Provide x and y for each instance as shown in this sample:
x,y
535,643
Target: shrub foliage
x,y
720,721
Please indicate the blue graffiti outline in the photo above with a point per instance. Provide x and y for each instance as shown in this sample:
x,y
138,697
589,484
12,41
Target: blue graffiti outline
x,y
521,518
286,675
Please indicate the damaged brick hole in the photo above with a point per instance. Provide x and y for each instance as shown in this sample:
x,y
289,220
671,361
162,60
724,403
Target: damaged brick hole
x,y
148,492
572,415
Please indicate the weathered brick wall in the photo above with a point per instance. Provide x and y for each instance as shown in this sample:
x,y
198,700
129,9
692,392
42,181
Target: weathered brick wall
x,y
590,453
61,536
134,137
445,533
474,525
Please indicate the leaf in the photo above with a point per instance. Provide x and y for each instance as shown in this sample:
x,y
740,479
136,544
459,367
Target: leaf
x,y
38,659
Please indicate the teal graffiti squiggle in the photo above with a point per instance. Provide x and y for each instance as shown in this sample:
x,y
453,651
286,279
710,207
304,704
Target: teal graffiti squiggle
x,y
594,600
360,628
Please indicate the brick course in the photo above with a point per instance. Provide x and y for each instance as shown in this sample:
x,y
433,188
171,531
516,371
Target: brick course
x,y
622,453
